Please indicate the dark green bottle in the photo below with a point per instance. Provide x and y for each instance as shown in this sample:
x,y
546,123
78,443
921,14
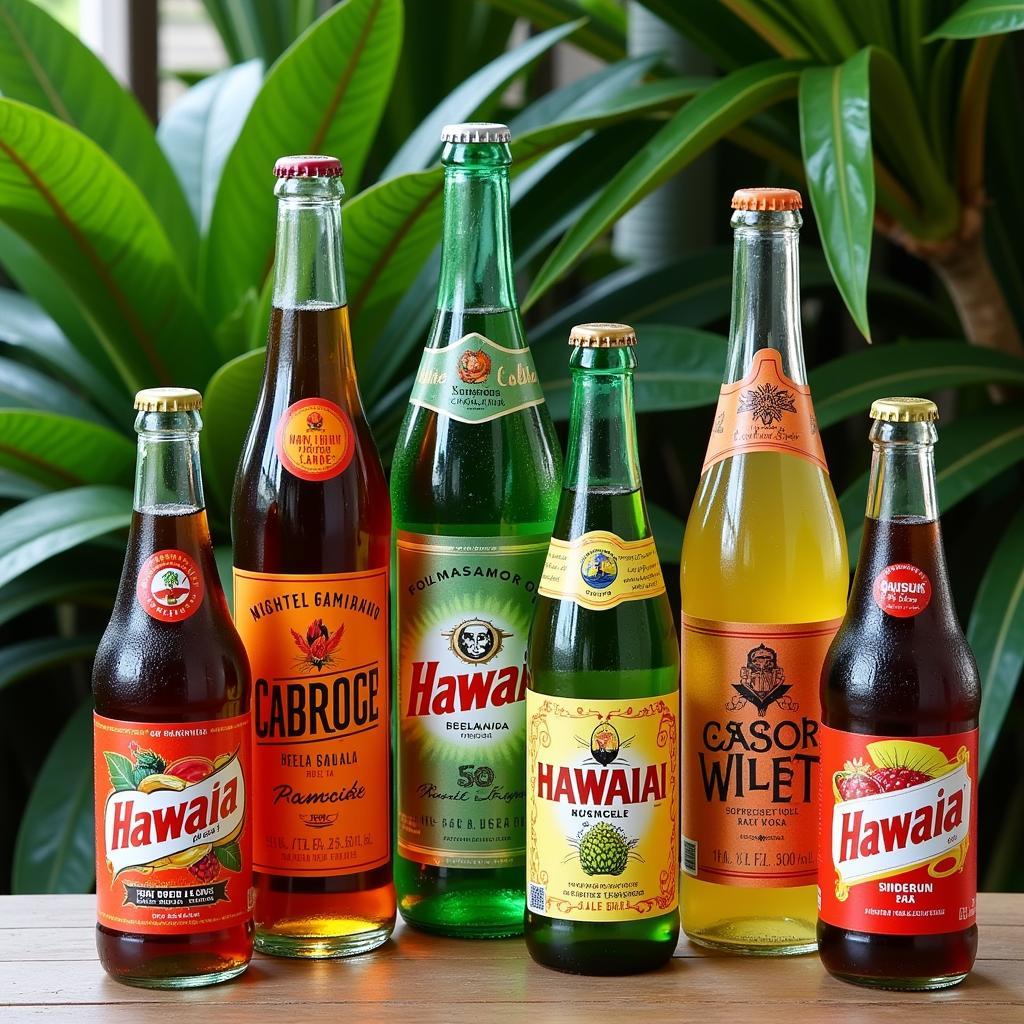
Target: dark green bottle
x,y
474,489
602,710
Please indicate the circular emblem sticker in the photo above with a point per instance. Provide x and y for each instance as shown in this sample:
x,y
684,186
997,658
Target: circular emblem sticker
x,y
315,439
902,590
599,569
170,586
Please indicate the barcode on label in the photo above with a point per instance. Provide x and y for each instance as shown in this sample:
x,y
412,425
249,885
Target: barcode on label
x,y
690,856
537,898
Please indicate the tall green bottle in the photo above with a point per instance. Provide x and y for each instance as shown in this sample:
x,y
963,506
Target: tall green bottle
x,y
474,487
602,711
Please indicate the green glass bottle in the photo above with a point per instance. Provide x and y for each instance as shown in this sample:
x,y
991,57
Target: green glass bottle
x,y
602,710
474,487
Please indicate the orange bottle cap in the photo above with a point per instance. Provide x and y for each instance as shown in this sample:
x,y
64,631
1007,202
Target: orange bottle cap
x,y
766,199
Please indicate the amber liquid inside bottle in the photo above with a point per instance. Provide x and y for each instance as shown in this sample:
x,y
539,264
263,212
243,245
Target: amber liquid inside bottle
x,y
287,525
189,671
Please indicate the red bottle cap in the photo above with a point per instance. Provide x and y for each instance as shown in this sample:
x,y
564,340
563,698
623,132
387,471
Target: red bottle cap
x,y
307,167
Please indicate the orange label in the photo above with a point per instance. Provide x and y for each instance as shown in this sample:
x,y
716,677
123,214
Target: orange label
x,y
318,646
765,412
315,439
750,750
170,586
173,843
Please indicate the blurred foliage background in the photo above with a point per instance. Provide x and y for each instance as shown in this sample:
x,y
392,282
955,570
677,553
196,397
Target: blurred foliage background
x,y
134,257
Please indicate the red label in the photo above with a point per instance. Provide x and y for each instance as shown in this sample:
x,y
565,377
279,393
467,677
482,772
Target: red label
x,y
898,832
170,586
173,846
315,439
902,590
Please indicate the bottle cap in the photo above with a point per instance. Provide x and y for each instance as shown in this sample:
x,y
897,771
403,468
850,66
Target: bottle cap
x,y
476,131
904,410
766,199
602,336
168,400
308,166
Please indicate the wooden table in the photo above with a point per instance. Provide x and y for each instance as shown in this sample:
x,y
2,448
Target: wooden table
x,y
49,971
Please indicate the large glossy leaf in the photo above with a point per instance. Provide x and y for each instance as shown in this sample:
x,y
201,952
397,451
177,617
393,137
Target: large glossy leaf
x,y
27,657
256,28
22,387
835,133
86,575
61,451
469,100
15,487
847,385
697,126
325,95
970,453
197,133
54,851
604,35
42,527
44,64
982,18
92,224
996,633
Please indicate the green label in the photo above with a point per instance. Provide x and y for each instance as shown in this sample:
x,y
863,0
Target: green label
x,y
475,379
464,610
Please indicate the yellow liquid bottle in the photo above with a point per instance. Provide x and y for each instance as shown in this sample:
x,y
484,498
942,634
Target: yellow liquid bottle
x,y
764,583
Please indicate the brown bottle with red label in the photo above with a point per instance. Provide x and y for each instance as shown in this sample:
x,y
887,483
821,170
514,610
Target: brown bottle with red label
x,y
311,525
172,733
899,739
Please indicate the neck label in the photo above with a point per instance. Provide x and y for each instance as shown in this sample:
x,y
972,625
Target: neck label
x,y
765,412
170,586
315,439
474,380
902,590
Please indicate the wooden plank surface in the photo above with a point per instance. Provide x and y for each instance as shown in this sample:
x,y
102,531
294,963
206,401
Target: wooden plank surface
x,y
48,971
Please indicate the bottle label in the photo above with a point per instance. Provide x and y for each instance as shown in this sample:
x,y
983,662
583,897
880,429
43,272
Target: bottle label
x,y
902,590
475,379
464,610
318,646
765,412
173,843
170,586
751,708
899,821
315,439
599,570
602,779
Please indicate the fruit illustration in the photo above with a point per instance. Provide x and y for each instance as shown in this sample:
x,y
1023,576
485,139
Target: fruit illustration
x,y
857,781
207,868
891,779
191,769
152,783
604,850
894,765
147,762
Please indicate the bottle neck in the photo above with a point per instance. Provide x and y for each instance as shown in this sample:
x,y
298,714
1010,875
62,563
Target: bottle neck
x,y
476,244
602,426
765,292
902,482
167,474
308,267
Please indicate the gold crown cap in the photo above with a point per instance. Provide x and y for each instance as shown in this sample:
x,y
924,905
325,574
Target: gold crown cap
x,y
904,410
602,336
168,400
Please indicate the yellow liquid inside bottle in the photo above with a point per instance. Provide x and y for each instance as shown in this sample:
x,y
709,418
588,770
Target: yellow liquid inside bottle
x,y
764,544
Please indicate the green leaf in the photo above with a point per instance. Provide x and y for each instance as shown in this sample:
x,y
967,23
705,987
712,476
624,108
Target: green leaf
x,y
197,133
82,576
996,633
54,851
847,386
230,856
121,769
18,488
981,18
325,95
835,133
92,224
45,65
27,657
22,387
42,527
699,124
603,35
61,451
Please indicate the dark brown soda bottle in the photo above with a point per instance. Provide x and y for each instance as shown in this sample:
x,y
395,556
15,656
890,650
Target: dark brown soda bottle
x,y
899,739
311,526
172,733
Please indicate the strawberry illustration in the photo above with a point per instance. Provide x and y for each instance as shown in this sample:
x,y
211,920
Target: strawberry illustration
x,y
856,781
206,869
891,779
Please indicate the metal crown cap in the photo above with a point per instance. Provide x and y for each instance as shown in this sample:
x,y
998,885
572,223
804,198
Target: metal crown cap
x,y
308,166
775,199
904,410
168,400
602,336
476,131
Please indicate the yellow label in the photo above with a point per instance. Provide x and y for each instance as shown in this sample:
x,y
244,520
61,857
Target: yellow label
x,y
599,570
601,815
